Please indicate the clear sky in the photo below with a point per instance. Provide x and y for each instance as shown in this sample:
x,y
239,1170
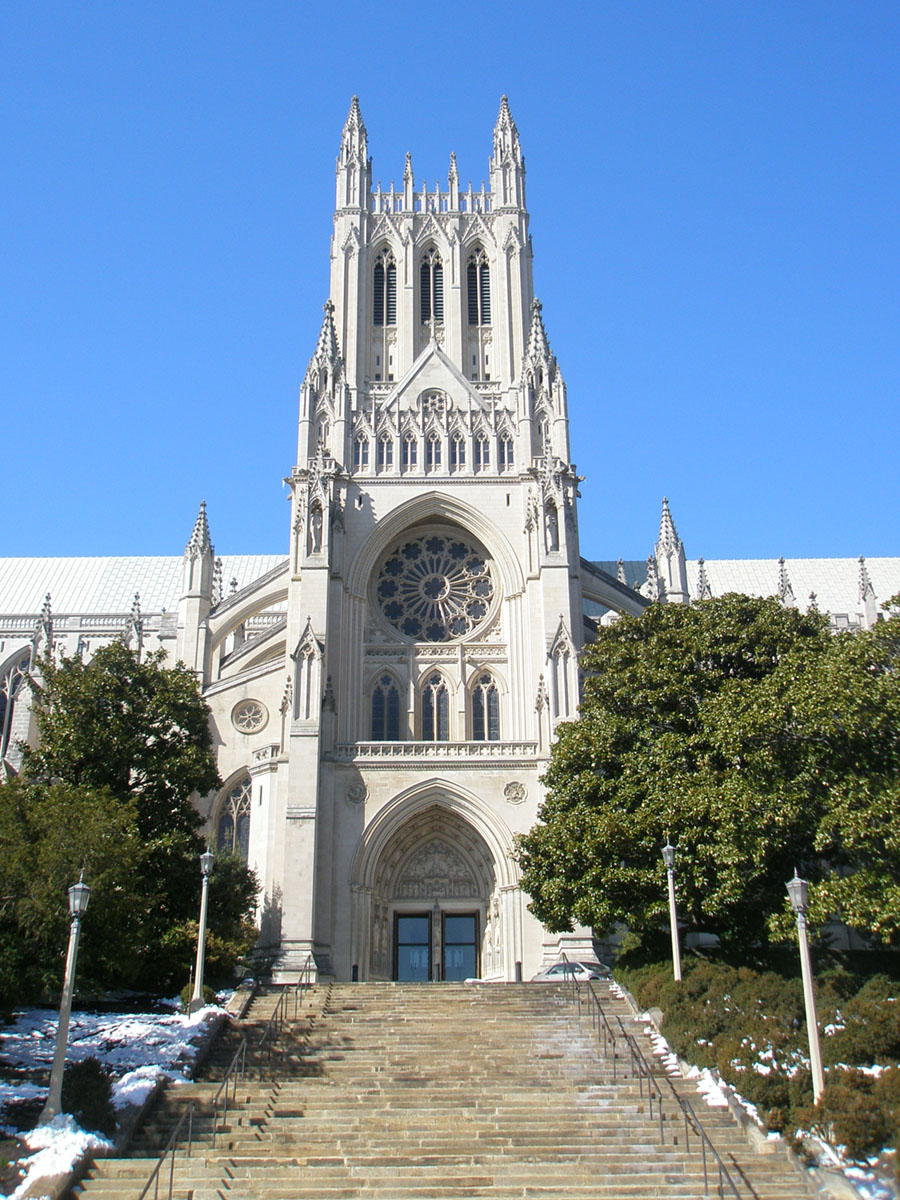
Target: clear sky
x,y
714,197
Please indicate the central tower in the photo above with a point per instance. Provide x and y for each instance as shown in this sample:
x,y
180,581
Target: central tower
x,y
434,610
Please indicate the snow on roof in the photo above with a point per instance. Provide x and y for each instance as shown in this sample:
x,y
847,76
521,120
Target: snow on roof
x,y
108,585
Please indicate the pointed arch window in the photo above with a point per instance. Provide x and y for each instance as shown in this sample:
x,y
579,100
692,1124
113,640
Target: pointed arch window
x,y
385,452
385,711
431,288
435,710
481,453
233,825
432,452
10,686
478,287
361,454
410,453
485,710
505,453
384,298
457,452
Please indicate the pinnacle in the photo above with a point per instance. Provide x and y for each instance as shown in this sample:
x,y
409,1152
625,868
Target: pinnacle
x,y
327,348
407,169
668,540
538,343
200,539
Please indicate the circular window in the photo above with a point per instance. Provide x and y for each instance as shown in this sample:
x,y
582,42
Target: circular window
x,y
249,716
434,588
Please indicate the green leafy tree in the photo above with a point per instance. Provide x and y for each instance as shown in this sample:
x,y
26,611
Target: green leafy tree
x,y
754,739
132,735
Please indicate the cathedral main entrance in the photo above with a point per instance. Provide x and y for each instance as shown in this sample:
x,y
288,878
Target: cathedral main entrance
x,y
433,909
436,946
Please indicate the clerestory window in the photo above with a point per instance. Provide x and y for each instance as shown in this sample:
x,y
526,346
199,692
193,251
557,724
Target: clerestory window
x,y
10,686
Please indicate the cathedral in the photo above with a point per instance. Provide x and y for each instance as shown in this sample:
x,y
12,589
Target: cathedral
x,y
384,694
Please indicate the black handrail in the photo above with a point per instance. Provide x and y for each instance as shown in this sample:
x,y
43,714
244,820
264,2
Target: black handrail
x,y
187,1115
279,1017
646,1077
229,1083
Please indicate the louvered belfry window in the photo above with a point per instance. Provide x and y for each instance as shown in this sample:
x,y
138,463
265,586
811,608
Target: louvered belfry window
x,y
431,288
478,285
384,298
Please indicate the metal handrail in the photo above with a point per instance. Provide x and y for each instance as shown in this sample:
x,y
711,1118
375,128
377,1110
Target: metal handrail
x,y
279,1017
229,1083
646,1077
187,1115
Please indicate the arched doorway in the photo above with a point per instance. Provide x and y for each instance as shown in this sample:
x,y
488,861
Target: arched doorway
x,y
432,894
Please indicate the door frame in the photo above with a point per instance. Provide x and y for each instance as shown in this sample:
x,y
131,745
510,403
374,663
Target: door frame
x,y
474,913
398,916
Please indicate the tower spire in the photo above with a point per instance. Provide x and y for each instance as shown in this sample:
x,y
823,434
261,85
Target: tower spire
x,y
353,167
507,161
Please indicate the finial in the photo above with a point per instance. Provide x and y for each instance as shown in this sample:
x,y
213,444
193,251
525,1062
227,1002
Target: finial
x,y
407,169
668,541
199,540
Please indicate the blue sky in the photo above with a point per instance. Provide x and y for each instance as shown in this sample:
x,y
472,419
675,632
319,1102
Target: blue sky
x,y
714,198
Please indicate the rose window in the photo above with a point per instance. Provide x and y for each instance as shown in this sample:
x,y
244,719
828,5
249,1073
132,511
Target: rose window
x,y
249,715
434,588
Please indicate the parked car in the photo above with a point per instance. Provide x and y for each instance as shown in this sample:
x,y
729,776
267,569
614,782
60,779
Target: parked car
x,y
578,970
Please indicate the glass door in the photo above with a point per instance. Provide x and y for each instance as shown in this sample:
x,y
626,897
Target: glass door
x,y
412,947
460,946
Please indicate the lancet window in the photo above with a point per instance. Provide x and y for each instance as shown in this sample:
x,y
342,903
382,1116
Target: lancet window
x,y
233,826
410,452
457,452
435,710
361,454
485,710
478,286
431,286
432,452
505,453
481,452
385,710
385,452
384,298
10,686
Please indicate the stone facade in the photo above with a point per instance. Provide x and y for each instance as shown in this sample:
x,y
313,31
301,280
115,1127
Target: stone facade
x,y
385,696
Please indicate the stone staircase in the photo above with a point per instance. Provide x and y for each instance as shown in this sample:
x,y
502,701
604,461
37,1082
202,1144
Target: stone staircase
x,y
435,1090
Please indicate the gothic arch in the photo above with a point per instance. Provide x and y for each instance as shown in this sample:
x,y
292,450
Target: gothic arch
x,y
431,793
435,505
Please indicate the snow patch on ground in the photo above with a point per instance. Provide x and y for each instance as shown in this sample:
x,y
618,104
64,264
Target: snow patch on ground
x,y
138,1048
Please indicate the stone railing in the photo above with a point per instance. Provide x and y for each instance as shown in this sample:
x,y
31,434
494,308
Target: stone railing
x,y
397,752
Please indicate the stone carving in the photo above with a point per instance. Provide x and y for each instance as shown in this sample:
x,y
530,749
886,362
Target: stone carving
x,y
249,716
357,793
436,871
515,792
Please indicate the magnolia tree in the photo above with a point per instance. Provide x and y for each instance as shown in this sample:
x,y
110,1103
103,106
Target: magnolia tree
x,y
757,742
124,743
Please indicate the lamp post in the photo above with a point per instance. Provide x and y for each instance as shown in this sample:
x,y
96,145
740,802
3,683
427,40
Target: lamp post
x,y
207,858
669,859
798,890
79,895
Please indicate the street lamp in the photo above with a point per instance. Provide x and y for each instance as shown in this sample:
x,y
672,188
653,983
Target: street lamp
x,y
669,859
207,858
798,890
79,895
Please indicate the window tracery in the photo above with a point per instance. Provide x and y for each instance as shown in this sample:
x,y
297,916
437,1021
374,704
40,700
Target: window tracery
x,y
233,826
485,710
10,686
434,588
385,710
435,710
